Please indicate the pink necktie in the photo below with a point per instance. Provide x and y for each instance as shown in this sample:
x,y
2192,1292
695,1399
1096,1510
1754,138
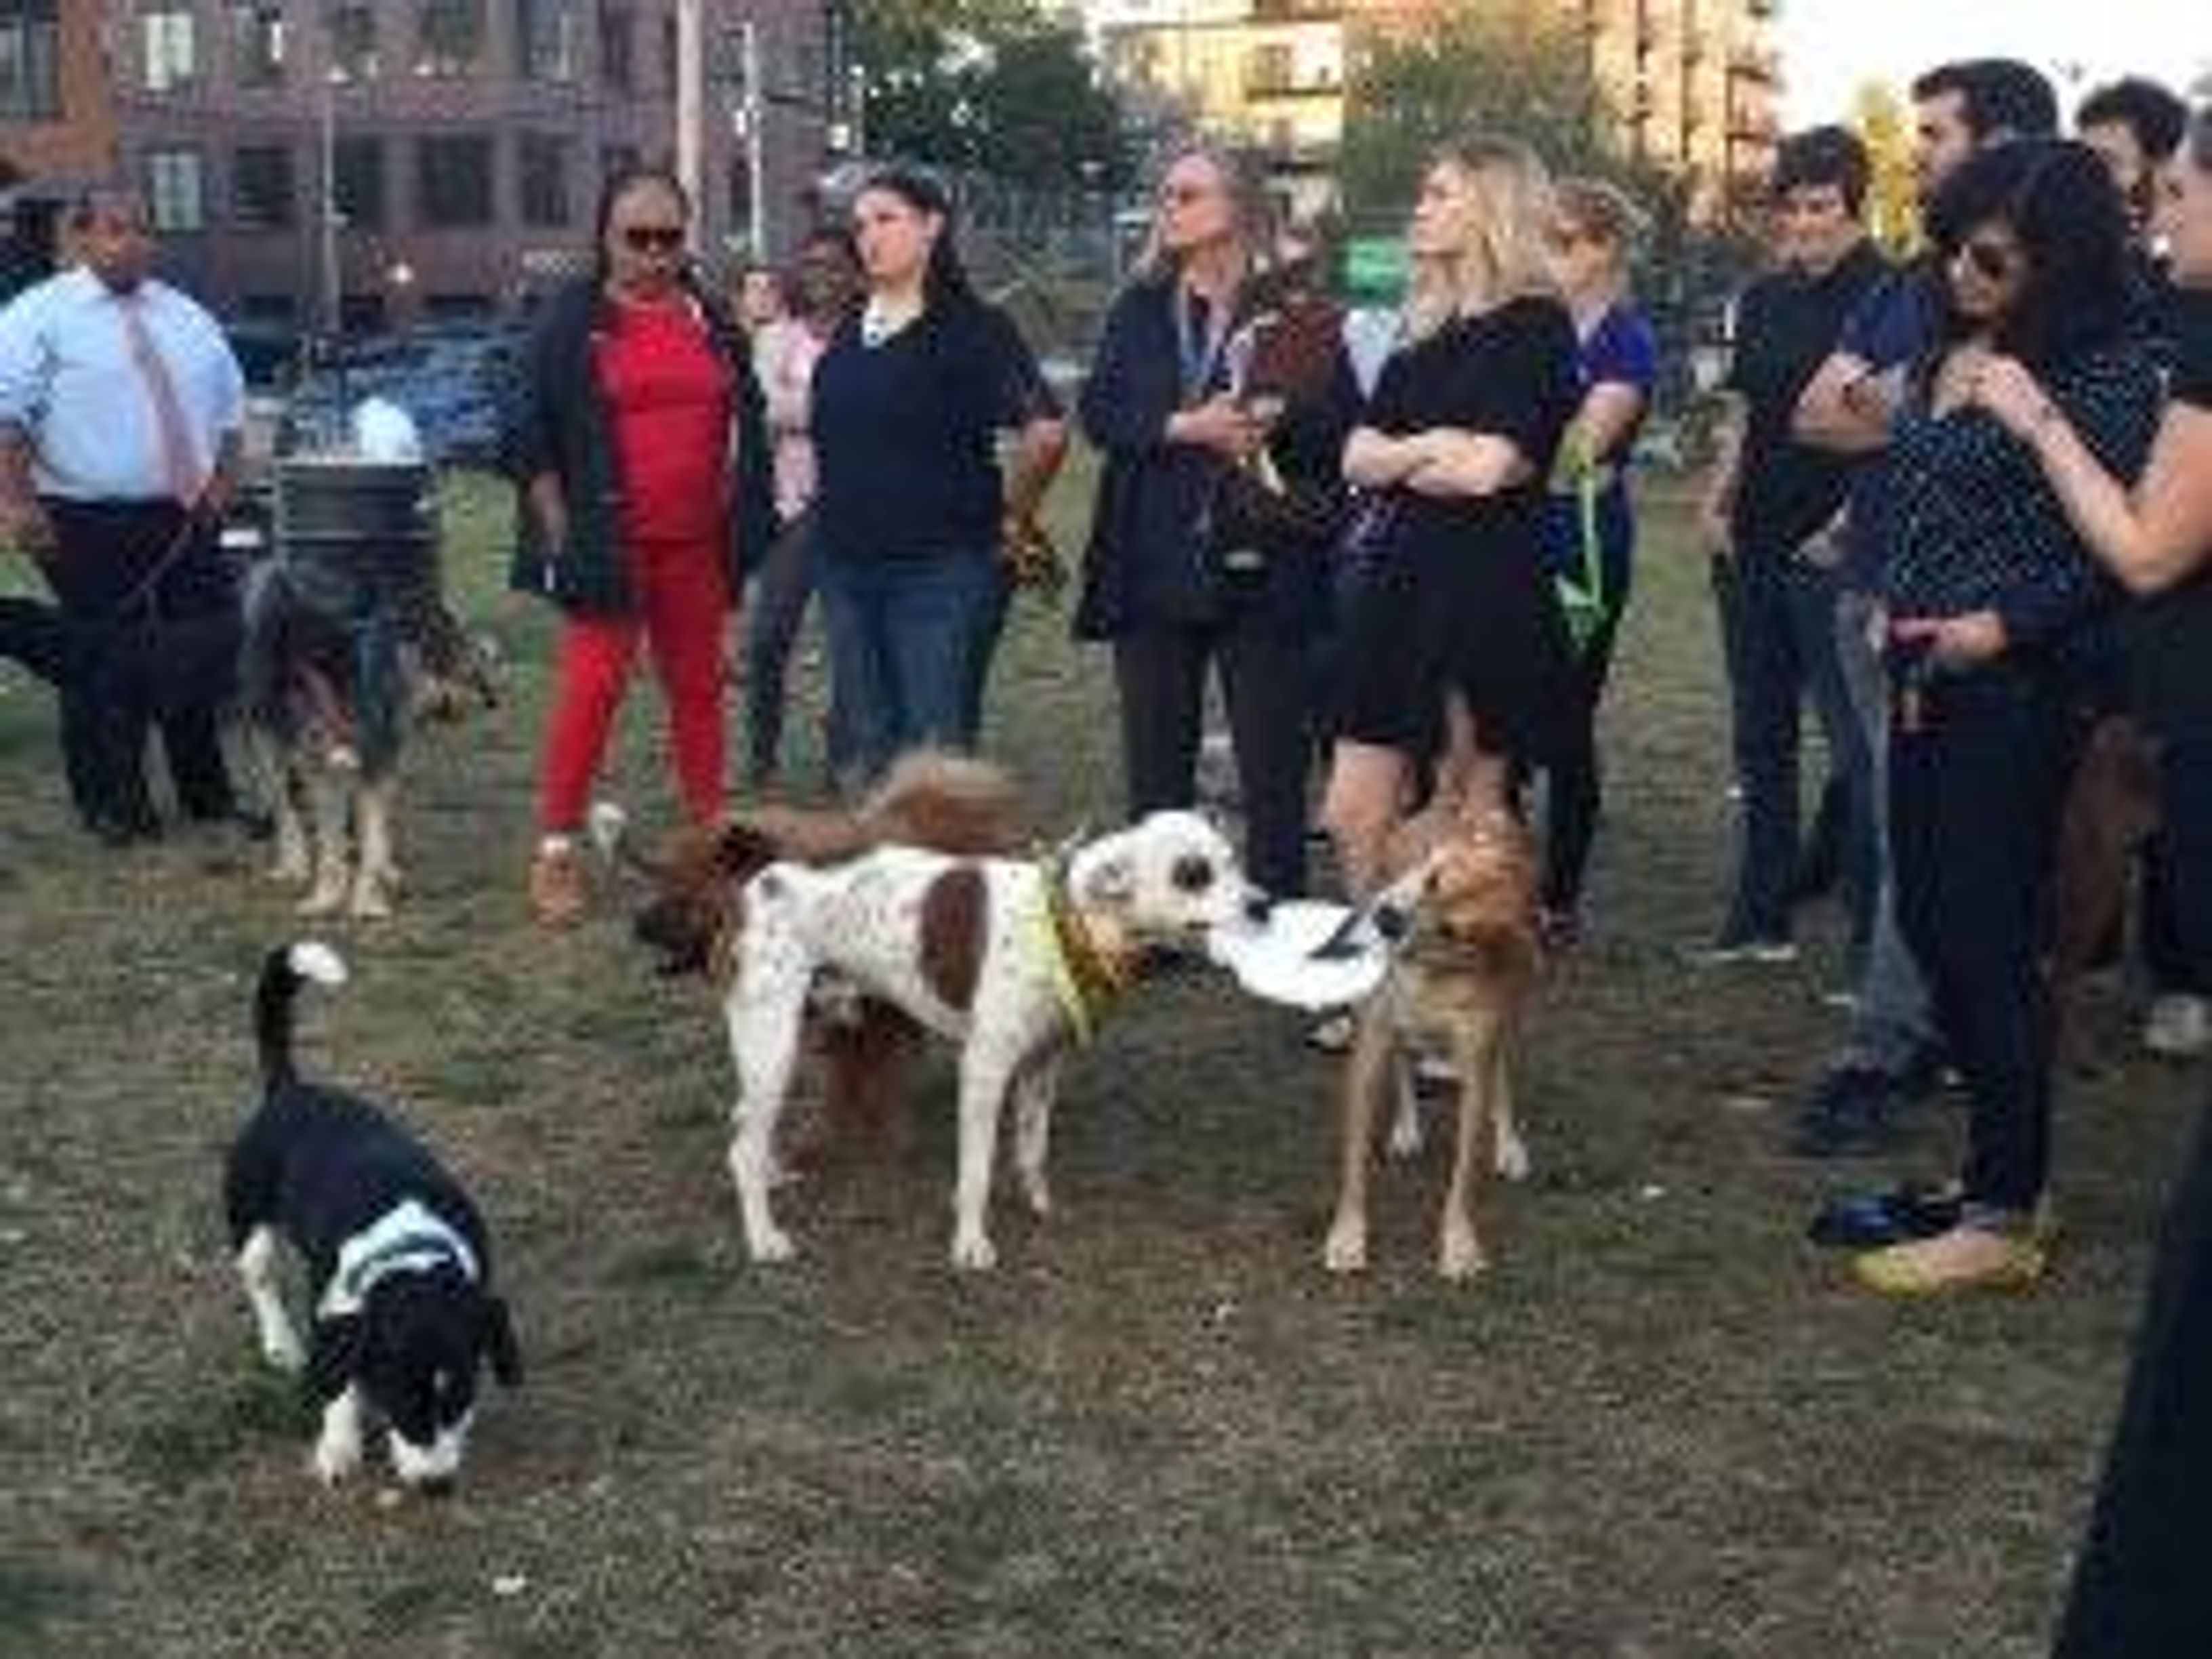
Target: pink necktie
x,y
180,467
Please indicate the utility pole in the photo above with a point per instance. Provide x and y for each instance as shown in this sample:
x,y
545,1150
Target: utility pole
x,y
754,110
333,303
690,101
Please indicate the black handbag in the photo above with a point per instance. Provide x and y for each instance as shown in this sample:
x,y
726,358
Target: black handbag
x,y
1247,513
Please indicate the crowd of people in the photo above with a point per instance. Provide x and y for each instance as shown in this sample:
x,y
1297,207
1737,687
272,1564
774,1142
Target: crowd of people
x,y
1963,509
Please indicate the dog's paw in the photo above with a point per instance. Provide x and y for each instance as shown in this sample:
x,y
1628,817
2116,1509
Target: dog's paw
x,y
1037,1192
1406,1139
280,1347
325,900
972,1253
371,900
1512,1155
1346,1250
1459,1256
769,1244
336,1457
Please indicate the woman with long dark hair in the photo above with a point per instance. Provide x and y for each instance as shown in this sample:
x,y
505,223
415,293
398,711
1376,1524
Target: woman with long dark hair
x,y
2140,1588
911,511
643,460
1176,578
1997,611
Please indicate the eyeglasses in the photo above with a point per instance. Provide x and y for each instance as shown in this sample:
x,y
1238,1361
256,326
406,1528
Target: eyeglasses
x,y
1993,262
654,239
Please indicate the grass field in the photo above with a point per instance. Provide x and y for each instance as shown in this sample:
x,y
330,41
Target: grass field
x,y
1662,1426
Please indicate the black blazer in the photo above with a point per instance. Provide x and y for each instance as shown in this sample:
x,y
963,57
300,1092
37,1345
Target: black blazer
x,y
1143,565
559,423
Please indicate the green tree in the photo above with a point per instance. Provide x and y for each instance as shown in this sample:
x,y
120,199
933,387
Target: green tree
x,y
1508,66
994,85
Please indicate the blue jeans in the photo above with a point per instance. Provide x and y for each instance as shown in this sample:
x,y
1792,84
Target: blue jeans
x,y
1780,611
785,582
910,642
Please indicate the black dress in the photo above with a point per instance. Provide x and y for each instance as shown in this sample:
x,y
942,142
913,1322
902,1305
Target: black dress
x,y
1457,598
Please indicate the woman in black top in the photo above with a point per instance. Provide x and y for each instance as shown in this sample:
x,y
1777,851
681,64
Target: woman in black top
x,y
912,514
1168,403
2140,1588
1455,627
1995,608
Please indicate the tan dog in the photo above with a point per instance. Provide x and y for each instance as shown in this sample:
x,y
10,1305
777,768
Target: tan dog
x,y
945,803
2112,807
1461,906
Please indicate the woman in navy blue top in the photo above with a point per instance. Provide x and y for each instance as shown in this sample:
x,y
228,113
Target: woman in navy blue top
x,y
2140,1587
912,511
1589,527
1995,608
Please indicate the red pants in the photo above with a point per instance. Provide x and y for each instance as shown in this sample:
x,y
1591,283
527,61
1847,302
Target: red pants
x,y
679,594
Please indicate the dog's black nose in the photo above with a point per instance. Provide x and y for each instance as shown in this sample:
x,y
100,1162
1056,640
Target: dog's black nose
x,y
1392,923
436,1485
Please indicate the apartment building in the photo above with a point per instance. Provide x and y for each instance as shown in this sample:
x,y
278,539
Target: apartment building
x,y
1693,85
389,160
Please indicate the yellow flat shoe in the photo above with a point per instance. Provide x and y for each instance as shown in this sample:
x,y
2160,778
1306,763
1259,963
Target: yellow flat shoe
x,y
1963,1259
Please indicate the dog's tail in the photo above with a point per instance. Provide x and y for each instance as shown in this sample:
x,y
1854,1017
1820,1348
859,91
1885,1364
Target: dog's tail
x,y
283,971
946,802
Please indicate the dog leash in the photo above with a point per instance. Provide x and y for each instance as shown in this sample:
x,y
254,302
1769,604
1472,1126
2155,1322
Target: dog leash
x,y
143,592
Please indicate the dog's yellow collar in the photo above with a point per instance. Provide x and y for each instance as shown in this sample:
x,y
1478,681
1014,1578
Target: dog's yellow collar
x,y
1084,977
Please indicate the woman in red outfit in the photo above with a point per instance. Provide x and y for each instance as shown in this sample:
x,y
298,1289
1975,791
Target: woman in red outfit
x,y
640,450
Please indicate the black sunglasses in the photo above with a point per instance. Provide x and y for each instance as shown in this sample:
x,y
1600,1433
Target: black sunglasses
x,y
1992,261
654,239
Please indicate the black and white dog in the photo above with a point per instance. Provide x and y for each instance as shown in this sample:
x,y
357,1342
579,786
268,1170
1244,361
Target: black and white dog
x,y
399,1263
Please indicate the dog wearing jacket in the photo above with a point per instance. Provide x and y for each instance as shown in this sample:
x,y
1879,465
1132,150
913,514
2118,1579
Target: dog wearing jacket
x,y
398,1261
1013,960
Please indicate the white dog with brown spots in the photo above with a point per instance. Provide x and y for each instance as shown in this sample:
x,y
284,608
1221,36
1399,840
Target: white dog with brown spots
x,y
1013,960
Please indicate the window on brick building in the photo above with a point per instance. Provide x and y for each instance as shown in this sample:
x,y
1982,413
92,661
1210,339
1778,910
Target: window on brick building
x,y
546,43
449,37
258,43
263,192
176,190
617,47
168,45
545,180
454,181
357,182
353,41
30,61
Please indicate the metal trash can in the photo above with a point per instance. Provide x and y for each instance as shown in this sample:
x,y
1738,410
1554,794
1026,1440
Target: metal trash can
x,y
358,535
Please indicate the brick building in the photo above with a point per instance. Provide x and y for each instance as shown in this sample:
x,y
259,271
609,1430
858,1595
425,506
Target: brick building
x,y
460,143
56,116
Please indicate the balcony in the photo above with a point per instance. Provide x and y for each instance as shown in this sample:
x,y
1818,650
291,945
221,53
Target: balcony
x,y
1760,63
1262,86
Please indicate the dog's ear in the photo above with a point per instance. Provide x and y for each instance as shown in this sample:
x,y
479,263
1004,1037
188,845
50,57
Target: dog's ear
x,y
496,1335
743,849
1109,884
334,1348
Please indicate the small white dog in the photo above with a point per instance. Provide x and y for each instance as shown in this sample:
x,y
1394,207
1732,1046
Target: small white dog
x,y
1014,960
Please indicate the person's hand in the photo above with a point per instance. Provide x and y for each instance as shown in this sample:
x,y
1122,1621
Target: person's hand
x,y
24,525
216,498
1712,525
1962,641
1219,424
2003,386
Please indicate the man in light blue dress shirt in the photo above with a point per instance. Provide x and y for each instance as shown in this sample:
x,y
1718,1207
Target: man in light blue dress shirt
x,y
120,411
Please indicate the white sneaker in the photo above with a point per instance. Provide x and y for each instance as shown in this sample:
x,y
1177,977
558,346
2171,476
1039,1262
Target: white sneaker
x,y
2179,1026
